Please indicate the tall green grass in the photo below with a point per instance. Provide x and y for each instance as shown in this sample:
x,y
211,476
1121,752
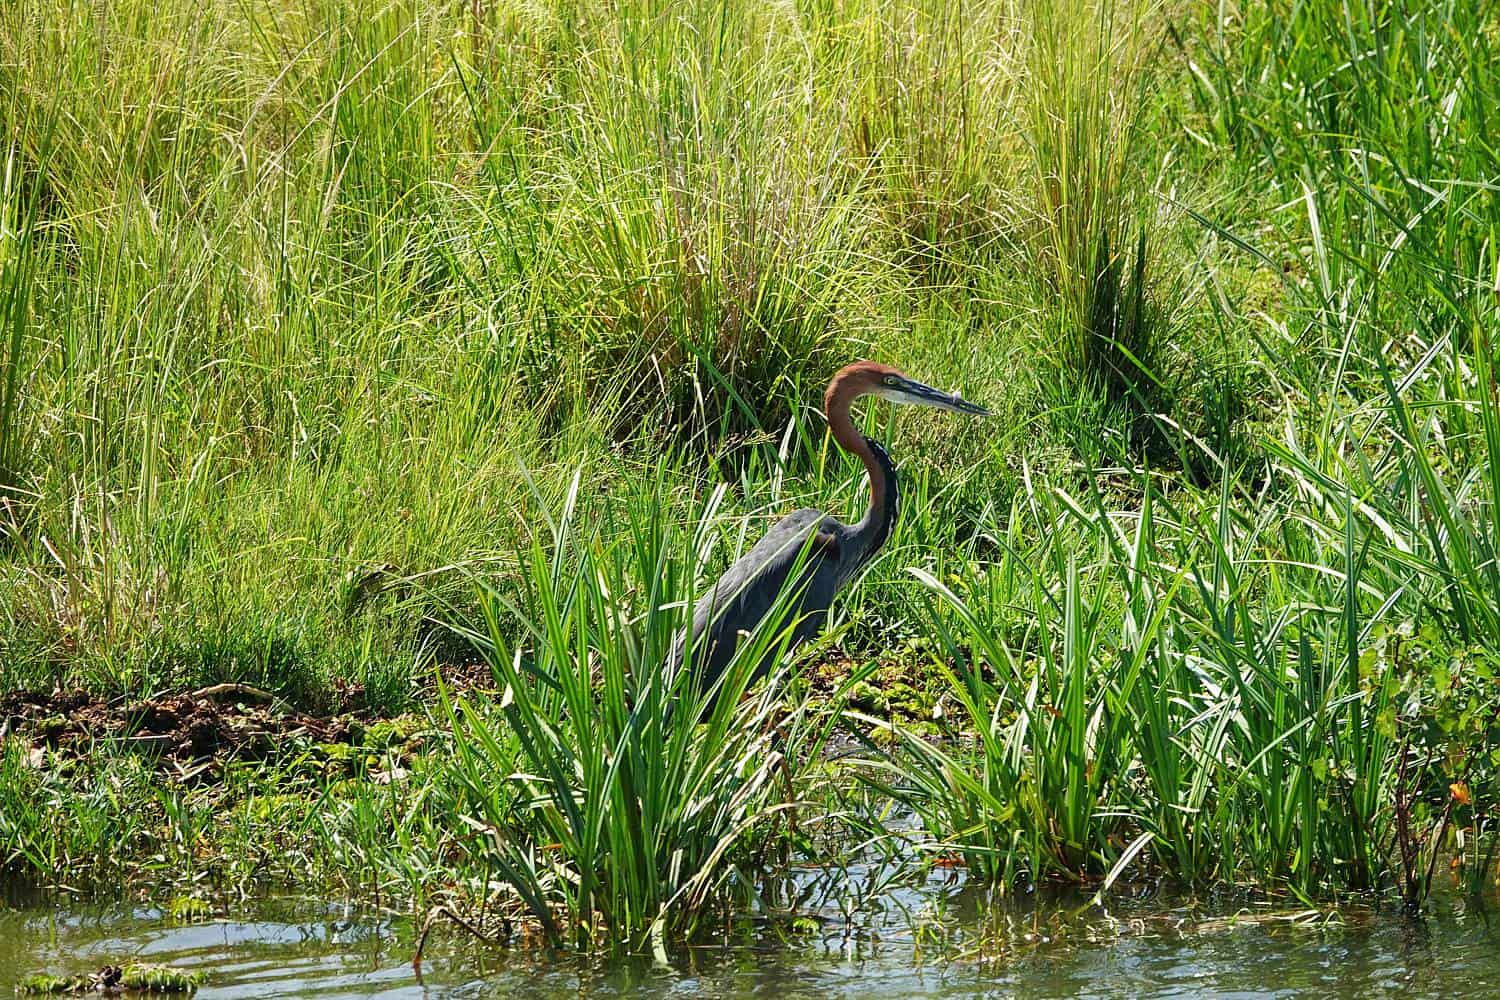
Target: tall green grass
x,y
1199,686
617,798
20,204
1089,65
1263,695
312,315
304,315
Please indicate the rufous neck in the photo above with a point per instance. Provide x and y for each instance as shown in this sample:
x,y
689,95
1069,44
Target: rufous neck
x,y
842,392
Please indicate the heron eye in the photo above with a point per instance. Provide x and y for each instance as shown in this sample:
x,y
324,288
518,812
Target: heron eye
x,y
889,380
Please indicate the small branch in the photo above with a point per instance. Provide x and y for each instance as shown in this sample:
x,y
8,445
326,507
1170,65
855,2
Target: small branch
x,y
1437,843
442,910
236,690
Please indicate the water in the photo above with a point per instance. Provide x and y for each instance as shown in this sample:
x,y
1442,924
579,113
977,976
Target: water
x,y
1141,948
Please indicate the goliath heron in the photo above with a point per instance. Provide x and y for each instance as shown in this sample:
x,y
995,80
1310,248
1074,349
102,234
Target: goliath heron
x,y
828,551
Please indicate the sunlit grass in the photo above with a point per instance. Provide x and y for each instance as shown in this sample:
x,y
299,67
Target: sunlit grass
x,y
614,795
310,318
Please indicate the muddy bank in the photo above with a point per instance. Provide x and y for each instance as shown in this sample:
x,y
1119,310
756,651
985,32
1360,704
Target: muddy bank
x,y
227,722
220,722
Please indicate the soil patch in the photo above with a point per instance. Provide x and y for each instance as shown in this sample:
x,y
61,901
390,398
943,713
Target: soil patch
x,y
224,721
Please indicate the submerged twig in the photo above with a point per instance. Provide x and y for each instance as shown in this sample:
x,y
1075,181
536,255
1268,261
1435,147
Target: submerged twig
x,y
443,910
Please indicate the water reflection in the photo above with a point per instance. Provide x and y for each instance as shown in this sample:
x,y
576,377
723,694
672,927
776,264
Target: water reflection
x,y
934,939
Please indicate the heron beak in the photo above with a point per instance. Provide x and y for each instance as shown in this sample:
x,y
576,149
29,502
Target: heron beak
x,y
920,394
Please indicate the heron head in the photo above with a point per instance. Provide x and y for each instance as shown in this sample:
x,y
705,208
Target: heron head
x,y
892,386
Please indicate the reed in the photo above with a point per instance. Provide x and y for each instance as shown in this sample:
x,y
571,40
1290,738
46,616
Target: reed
x,y
311,317
621,801
1088,69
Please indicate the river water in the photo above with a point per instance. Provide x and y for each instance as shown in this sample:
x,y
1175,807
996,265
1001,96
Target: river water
x,y
932,940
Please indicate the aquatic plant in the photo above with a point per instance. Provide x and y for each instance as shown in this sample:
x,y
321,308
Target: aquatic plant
x,y
612,793
140,977
294,352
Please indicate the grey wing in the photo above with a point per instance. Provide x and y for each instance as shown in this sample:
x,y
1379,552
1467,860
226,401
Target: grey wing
x,y
749,588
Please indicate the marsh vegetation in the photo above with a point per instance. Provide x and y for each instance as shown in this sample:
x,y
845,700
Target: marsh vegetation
x,y
345,347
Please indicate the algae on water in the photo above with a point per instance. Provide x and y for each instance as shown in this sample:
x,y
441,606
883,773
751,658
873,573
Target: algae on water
x,y
139,977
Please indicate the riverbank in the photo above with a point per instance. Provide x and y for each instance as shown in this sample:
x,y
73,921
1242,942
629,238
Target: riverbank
x,y
341,350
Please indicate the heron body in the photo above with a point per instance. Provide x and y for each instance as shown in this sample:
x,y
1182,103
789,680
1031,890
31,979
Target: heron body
x,y
822,552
